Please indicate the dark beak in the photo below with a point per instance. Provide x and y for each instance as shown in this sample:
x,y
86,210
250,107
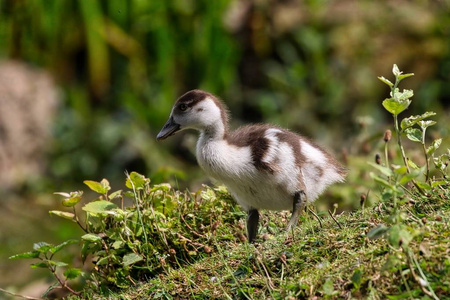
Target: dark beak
x,y
169,129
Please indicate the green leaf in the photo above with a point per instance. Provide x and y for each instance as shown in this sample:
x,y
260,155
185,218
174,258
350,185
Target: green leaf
x,y
69,202
410,176
91,237
72,273
434,146
328,288
426,124
395,107
391,263
400,170
137,180
101,187
424,186
414,134
63,214
71,199
356,278
396,71
99,207
116,194
56,263
382,181
403,76
412,164
39,265
26,255
385,170
58,248
410,121
402,96
386,81
118,244
440,182
42,247
131,258
161,187
399,236
377,232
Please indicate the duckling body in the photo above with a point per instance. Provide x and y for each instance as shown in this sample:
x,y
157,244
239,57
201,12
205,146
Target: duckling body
x,y
263,166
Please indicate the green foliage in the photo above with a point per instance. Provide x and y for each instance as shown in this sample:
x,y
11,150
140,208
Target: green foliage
x,y
126,244
401,225
44,252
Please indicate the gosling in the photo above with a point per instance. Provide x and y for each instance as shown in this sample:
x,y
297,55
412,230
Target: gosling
x,y
263,166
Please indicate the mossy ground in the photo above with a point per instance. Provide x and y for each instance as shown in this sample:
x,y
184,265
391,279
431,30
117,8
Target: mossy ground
x,y
335,260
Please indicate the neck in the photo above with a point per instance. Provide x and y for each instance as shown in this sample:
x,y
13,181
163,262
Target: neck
x,y
216,131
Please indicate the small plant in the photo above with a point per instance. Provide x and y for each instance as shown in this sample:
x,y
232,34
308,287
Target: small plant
x,y
45,252
402,225
161,228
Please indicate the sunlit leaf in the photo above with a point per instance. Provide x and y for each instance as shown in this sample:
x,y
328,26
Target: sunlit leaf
x,y
42,247
434,146
414,134
396,71
26,255
402,96
426,124
99,207
403,76
91,237
67,195
412,164
395,107
69,202
116,194
131,258
386,81
98,187
137,180
161,187
410,121
63,214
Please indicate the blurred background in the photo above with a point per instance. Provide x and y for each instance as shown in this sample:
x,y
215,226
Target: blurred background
x,y
85,86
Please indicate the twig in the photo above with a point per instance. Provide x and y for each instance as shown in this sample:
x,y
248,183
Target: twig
x,y
190,228
17,295
410,258
334,219
315,215
269,280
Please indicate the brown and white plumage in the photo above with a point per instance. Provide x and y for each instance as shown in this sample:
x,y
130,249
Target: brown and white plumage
x,y
263,166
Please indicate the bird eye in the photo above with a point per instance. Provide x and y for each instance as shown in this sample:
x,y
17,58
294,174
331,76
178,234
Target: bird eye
x,y
183,107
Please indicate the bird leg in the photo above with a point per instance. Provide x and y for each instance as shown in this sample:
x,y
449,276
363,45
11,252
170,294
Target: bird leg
x,y
299,206
252,224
